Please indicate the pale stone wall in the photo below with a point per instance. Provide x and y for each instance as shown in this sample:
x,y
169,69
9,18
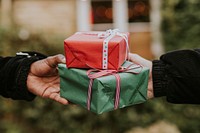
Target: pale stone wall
x,y
46,16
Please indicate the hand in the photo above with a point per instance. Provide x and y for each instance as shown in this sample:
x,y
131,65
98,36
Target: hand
x,y
43,79
146,63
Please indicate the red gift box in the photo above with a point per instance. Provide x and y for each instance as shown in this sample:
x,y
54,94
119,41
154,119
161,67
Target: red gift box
x,y
100,50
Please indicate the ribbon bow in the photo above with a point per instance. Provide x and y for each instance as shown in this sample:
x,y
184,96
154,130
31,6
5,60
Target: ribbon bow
x,y
100,73
108,33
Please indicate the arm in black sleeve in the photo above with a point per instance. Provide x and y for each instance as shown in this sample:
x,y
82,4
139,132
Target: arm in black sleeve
x,y
177,76
13,75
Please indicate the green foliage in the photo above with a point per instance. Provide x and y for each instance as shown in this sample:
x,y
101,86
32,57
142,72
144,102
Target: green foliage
x,y
47,116
181,24
12,42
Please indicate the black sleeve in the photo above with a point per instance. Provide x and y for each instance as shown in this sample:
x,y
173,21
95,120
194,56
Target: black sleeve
x,y
177,76
13,75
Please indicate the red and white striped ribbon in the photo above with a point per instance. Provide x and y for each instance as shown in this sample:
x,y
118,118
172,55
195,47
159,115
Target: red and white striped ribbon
x,y
99,73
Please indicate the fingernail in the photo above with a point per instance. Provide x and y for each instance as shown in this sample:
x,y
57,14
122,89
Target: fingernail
x,y
64,60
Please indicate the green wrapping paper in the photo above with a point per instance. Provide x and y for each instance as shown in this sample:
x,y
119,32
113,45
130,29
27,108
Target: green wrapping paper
x,y
74,87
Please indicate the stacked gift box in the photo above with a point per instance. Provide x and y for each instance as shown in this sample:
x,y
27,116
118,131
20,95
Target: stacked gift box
x,y
97,75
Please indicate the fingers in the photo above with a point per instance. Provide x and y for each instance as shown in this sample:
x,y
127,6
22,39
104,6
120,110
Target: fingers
x,y
56,97
54,94
150,93
53,61
135,58
49,91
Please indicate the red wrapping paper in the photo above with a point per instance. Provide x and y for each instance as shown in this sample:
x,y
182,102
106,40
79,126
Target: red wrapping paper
x,y
85,50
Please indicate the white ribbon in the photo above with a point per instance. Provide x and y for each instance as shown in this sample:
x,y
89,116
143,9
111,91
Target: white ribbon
x,y
108,35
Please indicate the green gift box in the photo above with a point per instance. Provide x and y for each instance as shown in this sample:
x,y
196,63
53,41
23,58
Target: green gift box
x,y
74,84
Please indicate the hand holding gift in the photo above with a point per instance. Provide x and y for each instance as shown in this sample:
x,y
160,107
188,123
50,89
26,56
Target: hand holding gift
x,y
43,79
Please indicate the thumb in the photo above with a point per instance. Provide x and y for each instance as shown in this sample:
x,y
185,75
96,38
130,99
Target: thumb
x,y
135,58
53,61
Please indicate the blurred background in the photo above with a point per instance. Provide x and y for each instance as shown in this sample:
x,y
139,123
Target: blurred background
x,y
155,26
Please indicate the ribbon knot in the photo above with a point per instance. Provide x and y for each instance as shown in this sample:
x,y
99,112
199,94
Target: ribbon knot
x,y
96,73
108,33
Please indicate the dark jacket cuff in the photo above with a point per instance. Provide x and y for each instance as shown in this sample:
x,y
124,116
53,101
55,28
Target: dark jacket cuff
x,y
23,72
159,78
22,78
